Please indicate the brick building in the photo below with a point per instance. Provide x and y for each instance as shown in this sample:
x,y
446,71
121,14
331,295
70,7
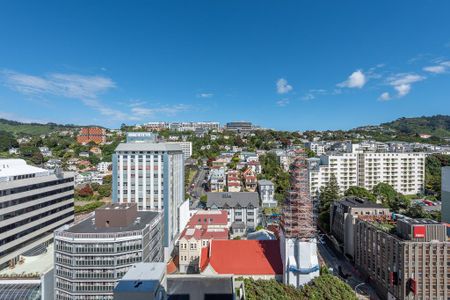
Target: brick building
x,y
92,134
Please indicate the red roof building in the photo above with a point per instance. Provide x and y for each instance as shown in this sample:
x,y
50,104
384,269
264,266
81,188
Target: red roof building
x,y
210,218
91,134
202,228
247,258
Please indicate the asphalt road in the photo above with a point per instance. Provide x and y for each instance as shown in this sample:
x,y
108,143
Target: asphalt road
x,y
334,259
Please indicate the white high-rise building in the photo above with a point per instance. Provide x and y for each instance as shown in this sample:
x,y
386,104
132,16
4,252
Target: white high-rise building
x,y
405,172
33,203
151,175
186,147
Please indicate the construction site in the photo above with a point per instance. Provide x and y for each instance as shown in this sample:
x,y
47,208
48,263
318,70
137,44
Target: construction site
x,y
298,237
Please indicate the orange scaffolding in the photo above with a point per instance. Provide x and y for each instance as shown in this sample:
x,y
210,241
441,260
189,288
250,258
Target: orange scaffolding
x,y
297,218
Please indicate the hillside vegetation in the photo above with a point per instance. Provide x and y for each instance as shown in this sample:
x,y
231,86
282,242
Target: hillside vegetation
x,y
438,125
19,128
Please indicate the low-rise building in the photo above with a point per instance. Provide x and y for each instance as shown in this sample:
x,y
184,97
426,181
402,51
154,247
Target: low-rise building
x,y
91,256
250,181
216,179
243,258
343,215
91,134
203,227
266,191
241,207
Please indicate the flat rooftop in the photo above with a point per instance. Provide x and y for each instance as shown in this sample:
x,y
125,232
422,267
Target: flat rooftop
x,y
36,261
88,225
148,147
359,202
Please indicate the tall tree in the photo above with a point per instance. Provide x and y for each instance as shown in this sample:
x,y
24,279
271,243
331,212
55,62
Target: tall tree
x,y
360,192
328,193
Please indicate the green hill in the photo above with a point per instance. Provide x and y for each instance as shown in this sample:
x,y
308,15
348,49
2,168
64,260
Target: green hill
x,y
438,125
19,128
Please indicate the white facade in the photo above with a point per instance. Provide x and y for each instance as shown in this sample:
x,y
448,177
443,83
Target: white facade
x,y
103,167
300,260
151,175
405,172
33,203
186,147
266,191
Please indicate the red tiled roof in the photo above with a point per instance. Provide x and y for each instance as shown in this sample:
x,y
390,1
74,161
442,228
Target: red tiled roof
x,y
205,233
243,257
233,183
217,217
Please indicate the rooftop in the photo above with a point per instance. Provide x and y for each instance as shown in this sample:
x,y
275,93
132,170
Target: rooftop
x,y
232,199
243,257
205,233
265,182
359,202
88,225
142,277
209,217
36,261
148,147
17,167
197,286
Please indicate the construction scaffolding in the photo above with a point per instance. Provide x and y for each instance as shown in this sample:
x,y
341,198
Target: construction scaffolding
x,y
297,219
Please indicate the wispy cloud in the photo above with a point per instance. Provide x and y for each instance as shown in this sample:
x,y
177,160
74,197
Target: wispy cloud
x,y
441,67
283,102
205,95
402,82
313,93
140,112
283,87
356,80
74,86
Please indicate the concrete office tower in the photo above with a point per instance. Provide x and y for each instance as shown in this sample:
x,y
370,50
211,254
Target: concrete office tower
x,y
445,195
152,176
33,203
91,256
298,235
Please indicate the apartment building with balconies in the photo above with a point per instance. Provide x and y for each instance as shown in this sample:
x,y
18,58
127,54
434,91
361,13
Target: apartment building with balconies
x,y
405,172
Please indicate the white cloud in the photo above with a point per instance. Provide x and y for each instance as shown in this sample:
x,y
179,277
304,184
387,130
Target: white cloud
x,y
140,112
283,102
435,69
84,88
441,67
402,82
403,89
283,87
385,96
356,80
205,95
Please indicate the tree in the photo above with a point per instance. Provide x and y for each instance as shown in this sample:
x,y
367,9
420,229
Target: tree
x,y
360,192
328,193
104,190
86,191
107,179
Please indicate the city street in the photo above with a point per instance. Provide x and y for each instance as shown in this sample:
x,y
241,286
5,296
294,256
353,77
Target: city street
x,y
334,259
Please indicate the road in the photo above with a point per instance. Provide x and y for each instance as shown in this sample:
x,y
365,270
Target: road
x,y
334,259
197,191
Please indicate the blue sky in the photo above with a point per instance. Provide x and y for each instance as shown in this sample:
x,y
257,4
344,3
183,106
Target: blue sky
x,y
292,65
